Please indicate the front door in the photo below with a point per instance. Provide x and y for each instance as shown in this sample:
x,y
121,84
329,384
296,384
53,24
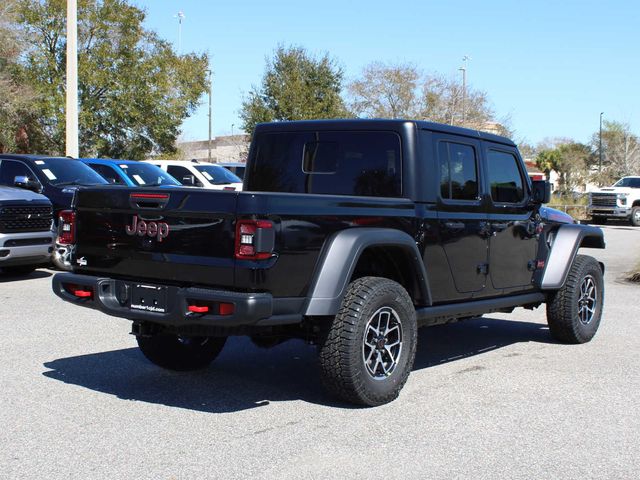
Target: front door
x,y
513,242
462,212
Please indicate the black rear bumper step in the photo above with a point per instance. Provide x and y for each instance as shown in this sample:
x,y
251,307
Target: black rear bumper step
x,y
250,309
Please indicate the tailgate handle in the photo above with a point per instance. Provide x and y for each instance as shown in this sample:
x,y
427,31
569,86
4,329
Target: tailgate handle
x,y
153,201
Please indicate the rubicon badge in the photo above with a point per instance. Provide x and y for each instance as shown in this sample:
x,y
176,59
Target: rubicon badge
x,y
159,230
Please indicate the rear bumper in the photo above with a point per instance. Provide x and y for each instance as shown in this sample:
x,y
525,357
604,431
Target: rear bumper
x,y
111,296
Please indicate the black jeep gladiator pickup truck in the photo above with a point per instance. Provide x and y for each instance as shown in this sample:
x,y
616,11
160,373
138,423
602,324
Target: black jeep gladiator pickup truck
x,y
350,234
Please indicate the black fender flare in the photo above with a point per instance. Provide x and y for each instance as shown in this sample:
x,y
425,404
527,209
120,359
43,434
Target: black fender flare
x,y
340,257
567,240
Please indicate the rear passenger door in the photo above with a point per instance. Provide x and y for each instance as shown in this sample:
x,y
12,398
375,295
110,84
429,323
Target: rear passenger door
x,y
513,242
462,212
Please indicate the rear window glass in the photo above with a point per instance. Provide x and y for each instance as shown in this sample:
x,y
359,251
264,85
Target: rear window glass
x,y
332,163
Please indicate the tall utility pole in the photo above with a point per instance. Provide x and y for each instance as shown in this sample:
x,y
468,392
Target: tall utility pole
x,y
71,144
600,152
463,69
210,92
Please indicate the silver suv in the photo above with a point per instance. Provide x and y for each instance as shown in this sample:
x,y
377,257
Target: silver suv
x,y
26,230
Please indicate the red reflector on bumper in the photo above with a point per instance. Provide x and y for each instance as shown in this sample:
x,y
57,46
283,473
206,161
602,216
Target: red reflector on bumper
x,y
226,308
83,293
197,309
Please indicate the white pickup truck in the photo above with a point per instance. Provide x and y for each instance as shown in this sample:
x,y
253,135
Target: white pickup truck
x,y
622,200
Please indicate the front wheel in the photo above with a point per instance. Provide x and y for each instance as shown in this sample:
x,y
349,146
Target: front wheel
x,y
635,216
174,352
369,347
574,312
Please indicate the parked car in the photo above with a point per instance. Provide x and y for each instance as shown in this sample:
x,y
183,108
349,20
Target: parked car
x,y
351,235
131,173
196,174
621,201
57,178
236,168
26,230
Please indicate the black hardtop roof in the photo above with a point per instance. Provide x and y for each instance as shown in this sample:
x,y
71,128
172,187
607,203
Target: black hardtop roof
x,y
380,124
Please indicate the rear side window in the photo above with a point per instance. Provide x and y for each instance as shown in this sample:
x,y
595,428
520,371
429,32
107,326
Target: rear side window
x,y
458,171
325,162
505,177
107,173
183,175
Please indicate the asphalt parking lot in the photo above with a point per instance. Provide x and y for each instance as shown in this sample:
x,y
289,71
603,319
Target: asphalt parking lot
x,y
491,398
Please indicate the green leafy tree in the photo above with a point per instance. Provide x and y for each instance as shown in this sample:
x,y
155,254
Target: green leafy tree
x,y
134,90
295,86
16,98
570,160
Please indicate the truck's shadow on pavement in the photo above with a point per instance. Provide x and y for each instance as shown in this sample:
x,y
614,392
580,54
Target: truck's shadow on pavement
x,y
7,277
245,376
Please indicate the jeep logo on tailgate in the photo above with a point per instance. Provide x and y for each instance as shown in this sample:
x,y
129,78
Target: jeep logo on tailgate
x,y
160,230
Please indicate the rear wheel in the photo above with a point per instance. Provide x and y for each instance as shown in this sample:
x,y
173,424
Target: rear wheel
x,y
174,352
574,311
635,216
369,348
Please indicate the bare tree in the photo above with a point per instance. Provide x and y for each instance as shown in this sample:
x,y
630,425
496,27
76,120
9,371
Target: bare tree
x,y
620,152
386,91
403,91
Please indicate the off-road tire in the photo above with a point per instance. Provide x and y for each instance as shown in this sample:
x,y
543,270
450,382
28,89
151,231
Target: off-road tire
x,y
18,271
180,353
563,308
635,217
343,366
598,220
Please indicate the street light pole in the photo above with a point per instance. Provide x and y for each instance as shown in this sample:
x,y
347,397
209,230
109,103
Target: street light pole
x,y
600,152
464,88
210,91
180,17
71,133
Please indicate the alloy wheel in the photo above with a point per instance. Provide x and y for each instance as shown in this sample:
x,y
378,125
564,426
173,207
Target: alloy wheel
x,y
382,343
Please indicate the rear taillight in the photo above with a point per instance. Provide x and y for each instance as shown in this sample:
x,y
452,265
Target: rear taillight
x,y
254,239
67,227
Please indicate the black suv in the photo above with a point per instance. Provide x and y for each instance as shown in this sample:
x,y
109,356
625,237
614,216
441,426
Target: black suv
x,y
350,234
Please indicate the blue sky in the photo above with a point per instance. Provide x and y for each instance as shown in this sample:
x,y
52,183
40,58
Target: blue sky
x,y
551,66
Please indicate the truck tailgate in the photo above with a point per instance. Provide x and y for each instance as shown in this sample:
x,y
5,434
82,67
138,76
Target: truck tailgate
x,y
179,235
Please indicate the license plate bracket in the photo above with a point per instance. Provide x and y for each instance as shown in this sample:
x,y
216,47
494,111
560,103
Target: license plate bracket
x,y
149,298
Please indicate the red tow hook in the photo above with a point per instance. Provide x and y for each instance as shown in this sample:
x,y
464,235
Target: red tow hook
x,y
83,293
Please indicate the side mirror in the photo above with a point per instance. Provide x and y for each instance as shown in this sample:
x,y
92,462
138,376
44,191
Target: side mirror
x,y
540,191
188,180
25,182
